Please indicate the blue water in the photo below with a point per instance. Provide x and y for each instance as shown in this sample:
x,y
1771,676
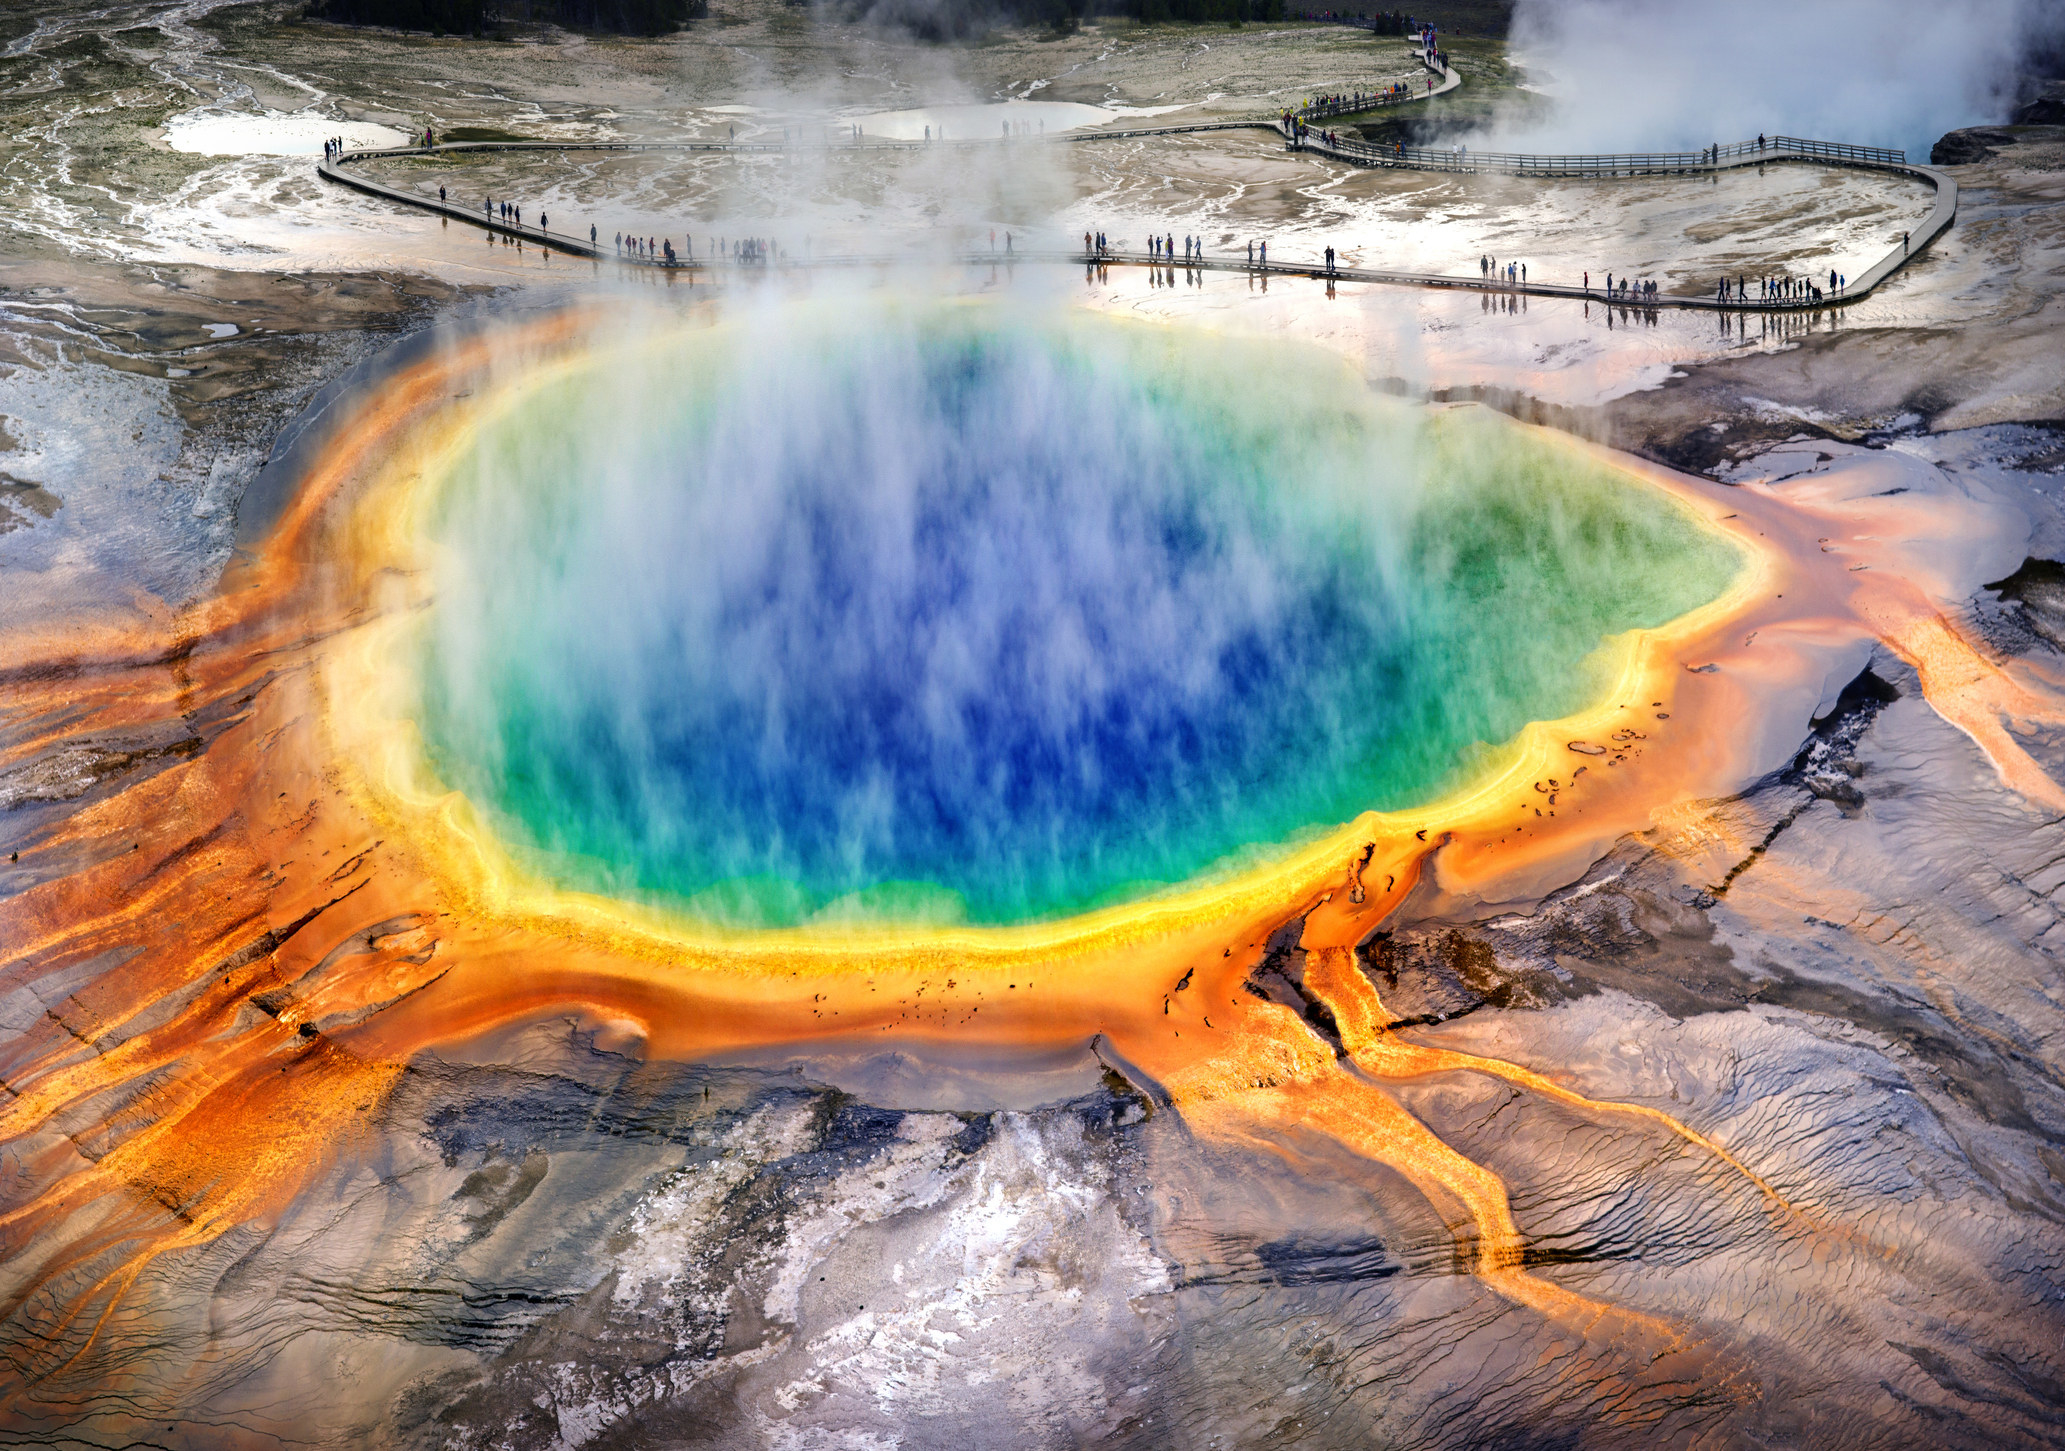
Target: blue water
x,y
947,620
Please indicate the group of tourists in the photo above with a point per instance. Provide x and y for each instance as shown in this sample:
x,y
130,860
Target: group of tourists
x,y
510,212
1512,274
1294,126
740,251
1163,249
651,249
1348,102
1627,289
1796,289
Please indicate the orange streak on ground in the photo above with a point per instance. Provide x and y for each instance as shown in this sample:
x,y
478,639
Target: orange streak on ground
x,y
1966,689
1895,557
1332,975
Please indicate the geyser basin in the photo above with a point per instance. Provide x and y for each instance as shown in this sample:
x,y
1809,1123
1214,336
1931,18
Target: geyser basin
x,y
955,615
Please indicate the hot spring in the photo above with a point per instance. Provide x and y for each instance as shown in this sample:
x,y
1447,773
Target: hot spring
x,y
950,614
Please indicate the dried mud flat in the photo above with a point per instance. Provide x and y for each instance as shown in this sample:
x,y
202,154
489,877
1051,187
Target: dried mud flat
x,y
1845,974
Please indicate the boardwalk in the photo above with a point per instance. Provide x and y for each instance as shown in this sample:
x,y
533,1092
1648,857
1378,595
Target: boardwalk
x,y
1299,137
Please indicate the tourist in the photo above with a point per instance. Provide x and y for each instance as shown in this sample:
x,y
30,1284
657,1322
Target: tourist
x,y
591,234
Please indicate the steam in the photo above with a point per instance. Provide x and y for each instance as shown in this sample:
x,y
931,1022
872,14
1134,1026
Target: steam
x,y
858,608
1636,75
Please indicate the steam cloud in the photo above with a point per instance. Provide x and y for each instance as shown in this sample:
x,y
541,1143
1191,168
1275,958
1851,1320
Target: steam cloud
x,y
1633,75
855,611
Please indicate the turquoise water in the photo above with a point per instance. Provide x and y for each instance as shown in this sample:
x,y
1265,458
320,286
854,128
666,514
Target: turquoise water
x,y
949,615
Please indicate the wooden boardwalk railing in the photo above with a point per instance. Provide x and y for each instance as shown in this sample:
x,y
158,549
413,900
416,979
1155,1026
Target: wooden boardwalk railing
x,y
1634,163
1298,137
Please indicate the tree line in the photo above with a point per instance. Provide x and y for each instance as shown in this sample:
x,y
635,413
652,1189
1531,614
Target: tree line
x,y
479,17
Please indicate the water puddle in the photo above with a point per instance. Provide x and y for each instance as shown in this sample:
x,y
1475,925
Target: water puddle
x,y
240,133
